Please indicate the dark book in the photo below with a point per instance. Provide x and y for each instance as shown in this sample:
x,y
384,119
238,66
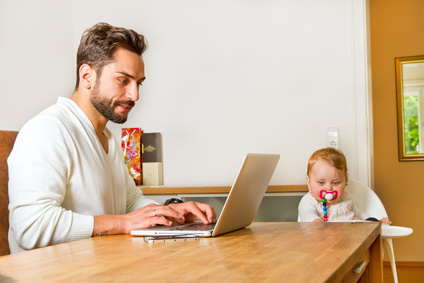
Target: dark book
x,y
152,159
152,146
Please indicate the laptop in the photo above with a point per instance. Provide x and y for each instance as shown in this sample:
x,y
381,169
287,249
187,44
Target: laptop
x,y
240,207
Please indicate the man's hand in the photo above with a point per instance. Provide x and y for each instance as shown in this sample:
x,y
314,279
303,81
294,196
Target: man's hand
x,y
152,215
192,211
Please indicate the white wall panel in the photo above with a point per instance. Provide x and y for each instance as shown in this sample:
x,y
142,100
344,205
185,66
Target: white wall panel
x,y
229,77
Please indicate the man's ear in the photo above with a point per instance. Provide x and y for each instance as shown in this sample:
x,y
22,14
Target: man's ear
x,y
87,76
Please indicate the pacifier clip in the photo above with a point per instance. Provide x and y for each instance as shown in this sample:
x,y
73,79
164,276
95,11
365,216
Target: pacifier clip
x,y
324,195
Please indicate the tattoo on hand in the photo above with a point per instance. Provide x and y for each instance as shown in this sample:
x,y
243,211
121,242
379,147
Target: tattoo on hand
x,y
104,233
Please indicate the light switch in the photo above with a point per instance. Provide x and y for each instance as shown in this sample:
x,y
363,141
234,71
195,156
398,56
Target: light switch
x,y
333,137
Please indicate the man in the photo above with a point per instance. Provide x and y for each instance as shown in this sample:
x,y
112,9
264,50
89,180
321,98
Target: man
x,y
67,178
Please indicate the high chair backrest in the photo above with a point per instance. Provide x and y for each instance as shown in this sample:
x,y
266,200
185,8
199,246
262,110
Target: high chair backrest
x,y
366,199
7,139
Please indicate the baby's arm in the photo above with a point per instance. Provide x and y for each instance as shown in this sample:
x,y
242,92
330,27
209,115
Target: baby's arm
x,y
362,215
308,214
307,210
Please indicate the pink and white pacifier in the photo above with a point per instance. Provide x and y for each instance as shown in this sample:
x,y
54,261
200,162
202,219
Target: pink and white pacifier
x,y
328,195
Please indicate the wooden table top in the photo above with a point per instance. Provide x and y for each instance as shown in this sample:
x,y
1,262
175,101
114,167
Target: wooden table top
x,y
266,251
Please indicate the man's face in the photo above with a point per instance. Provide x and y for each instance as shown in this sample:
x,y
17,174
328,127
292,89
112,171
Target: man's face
x,y
116,90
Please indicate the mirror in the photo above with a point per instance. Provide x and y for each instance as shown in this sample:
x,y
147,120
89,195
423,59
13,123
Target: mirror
x,y
410,107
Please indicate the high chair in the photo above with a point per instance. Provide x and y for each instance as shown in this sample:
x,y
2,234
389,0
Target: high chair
x,y
368,201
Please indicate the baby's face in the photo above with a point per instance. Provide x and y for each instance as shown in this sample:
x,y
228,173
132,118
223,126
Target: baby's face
x,y
323,176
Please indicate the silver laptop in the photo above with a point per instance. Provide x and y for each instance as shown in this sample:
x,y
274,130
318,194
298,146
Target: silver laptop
x,y
240,207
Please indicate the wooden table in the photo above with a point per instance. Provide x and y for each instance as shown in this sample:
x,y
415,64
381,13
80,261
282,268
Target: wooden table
x,y
263,252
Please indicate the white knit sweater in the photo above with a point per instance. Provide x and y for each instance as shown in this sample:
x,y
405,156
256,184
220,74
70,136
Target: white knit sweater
x,y
60,177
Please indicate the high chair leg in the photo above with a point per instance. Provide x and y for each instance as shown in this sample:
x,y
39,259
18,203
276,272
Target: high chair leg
x,y
388,243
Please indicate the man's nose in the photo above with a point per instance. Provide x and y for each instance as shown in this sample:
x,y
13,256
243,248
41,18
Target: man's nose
x,y
132,92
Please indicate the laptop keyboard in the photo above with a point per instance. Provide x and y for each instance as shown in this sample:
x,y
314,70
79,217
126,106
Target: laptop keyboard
x,y
195,227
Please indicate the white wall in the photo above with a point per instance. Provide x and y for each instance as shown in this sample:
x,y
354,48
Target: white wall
x,y
223,78
36,58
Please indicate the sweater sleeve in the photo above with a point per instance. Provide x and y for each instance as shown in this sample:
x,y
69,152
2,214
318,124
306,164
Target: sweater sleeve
x,y
307,209
39,168
359,214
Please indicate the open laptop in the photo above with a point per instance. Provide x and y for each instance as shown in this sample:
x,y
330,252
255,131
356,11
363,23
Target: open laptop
x,y
240,207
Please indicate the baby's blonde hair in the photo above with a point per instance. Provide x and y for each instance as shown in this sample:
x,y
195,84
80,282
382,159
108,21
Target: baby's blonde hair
x,y
333,156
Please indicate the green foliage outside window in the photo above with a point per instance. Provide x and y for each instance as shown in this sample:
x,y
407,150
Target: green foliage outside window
x,y
412,136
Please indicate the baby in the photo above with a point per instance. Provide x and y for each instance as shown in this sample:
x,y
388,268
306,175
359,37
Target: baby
x,y
327,199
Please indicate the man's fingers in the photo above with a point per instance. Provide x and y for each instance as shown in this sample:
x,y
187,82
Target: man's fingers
x,y
196,211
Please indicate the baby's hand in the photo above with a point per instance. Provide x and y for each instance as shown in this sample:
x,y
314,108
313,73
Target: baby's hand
x,y
385,220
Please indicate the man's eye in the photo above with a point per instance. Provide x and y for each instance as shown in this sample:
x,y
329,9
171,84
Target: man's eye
x,y
123,81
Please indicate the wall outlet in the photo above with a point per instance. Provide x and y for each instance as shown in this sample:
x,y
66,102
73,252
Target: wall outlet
x,y
333,137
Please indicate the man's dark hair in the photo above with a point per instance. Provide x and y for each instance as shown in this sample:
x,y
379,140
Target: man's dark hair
x,y
99,43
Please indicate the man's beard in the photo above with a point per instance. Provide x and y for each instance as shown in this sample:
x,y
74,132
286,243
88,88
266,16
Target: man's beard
x,y
106,107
